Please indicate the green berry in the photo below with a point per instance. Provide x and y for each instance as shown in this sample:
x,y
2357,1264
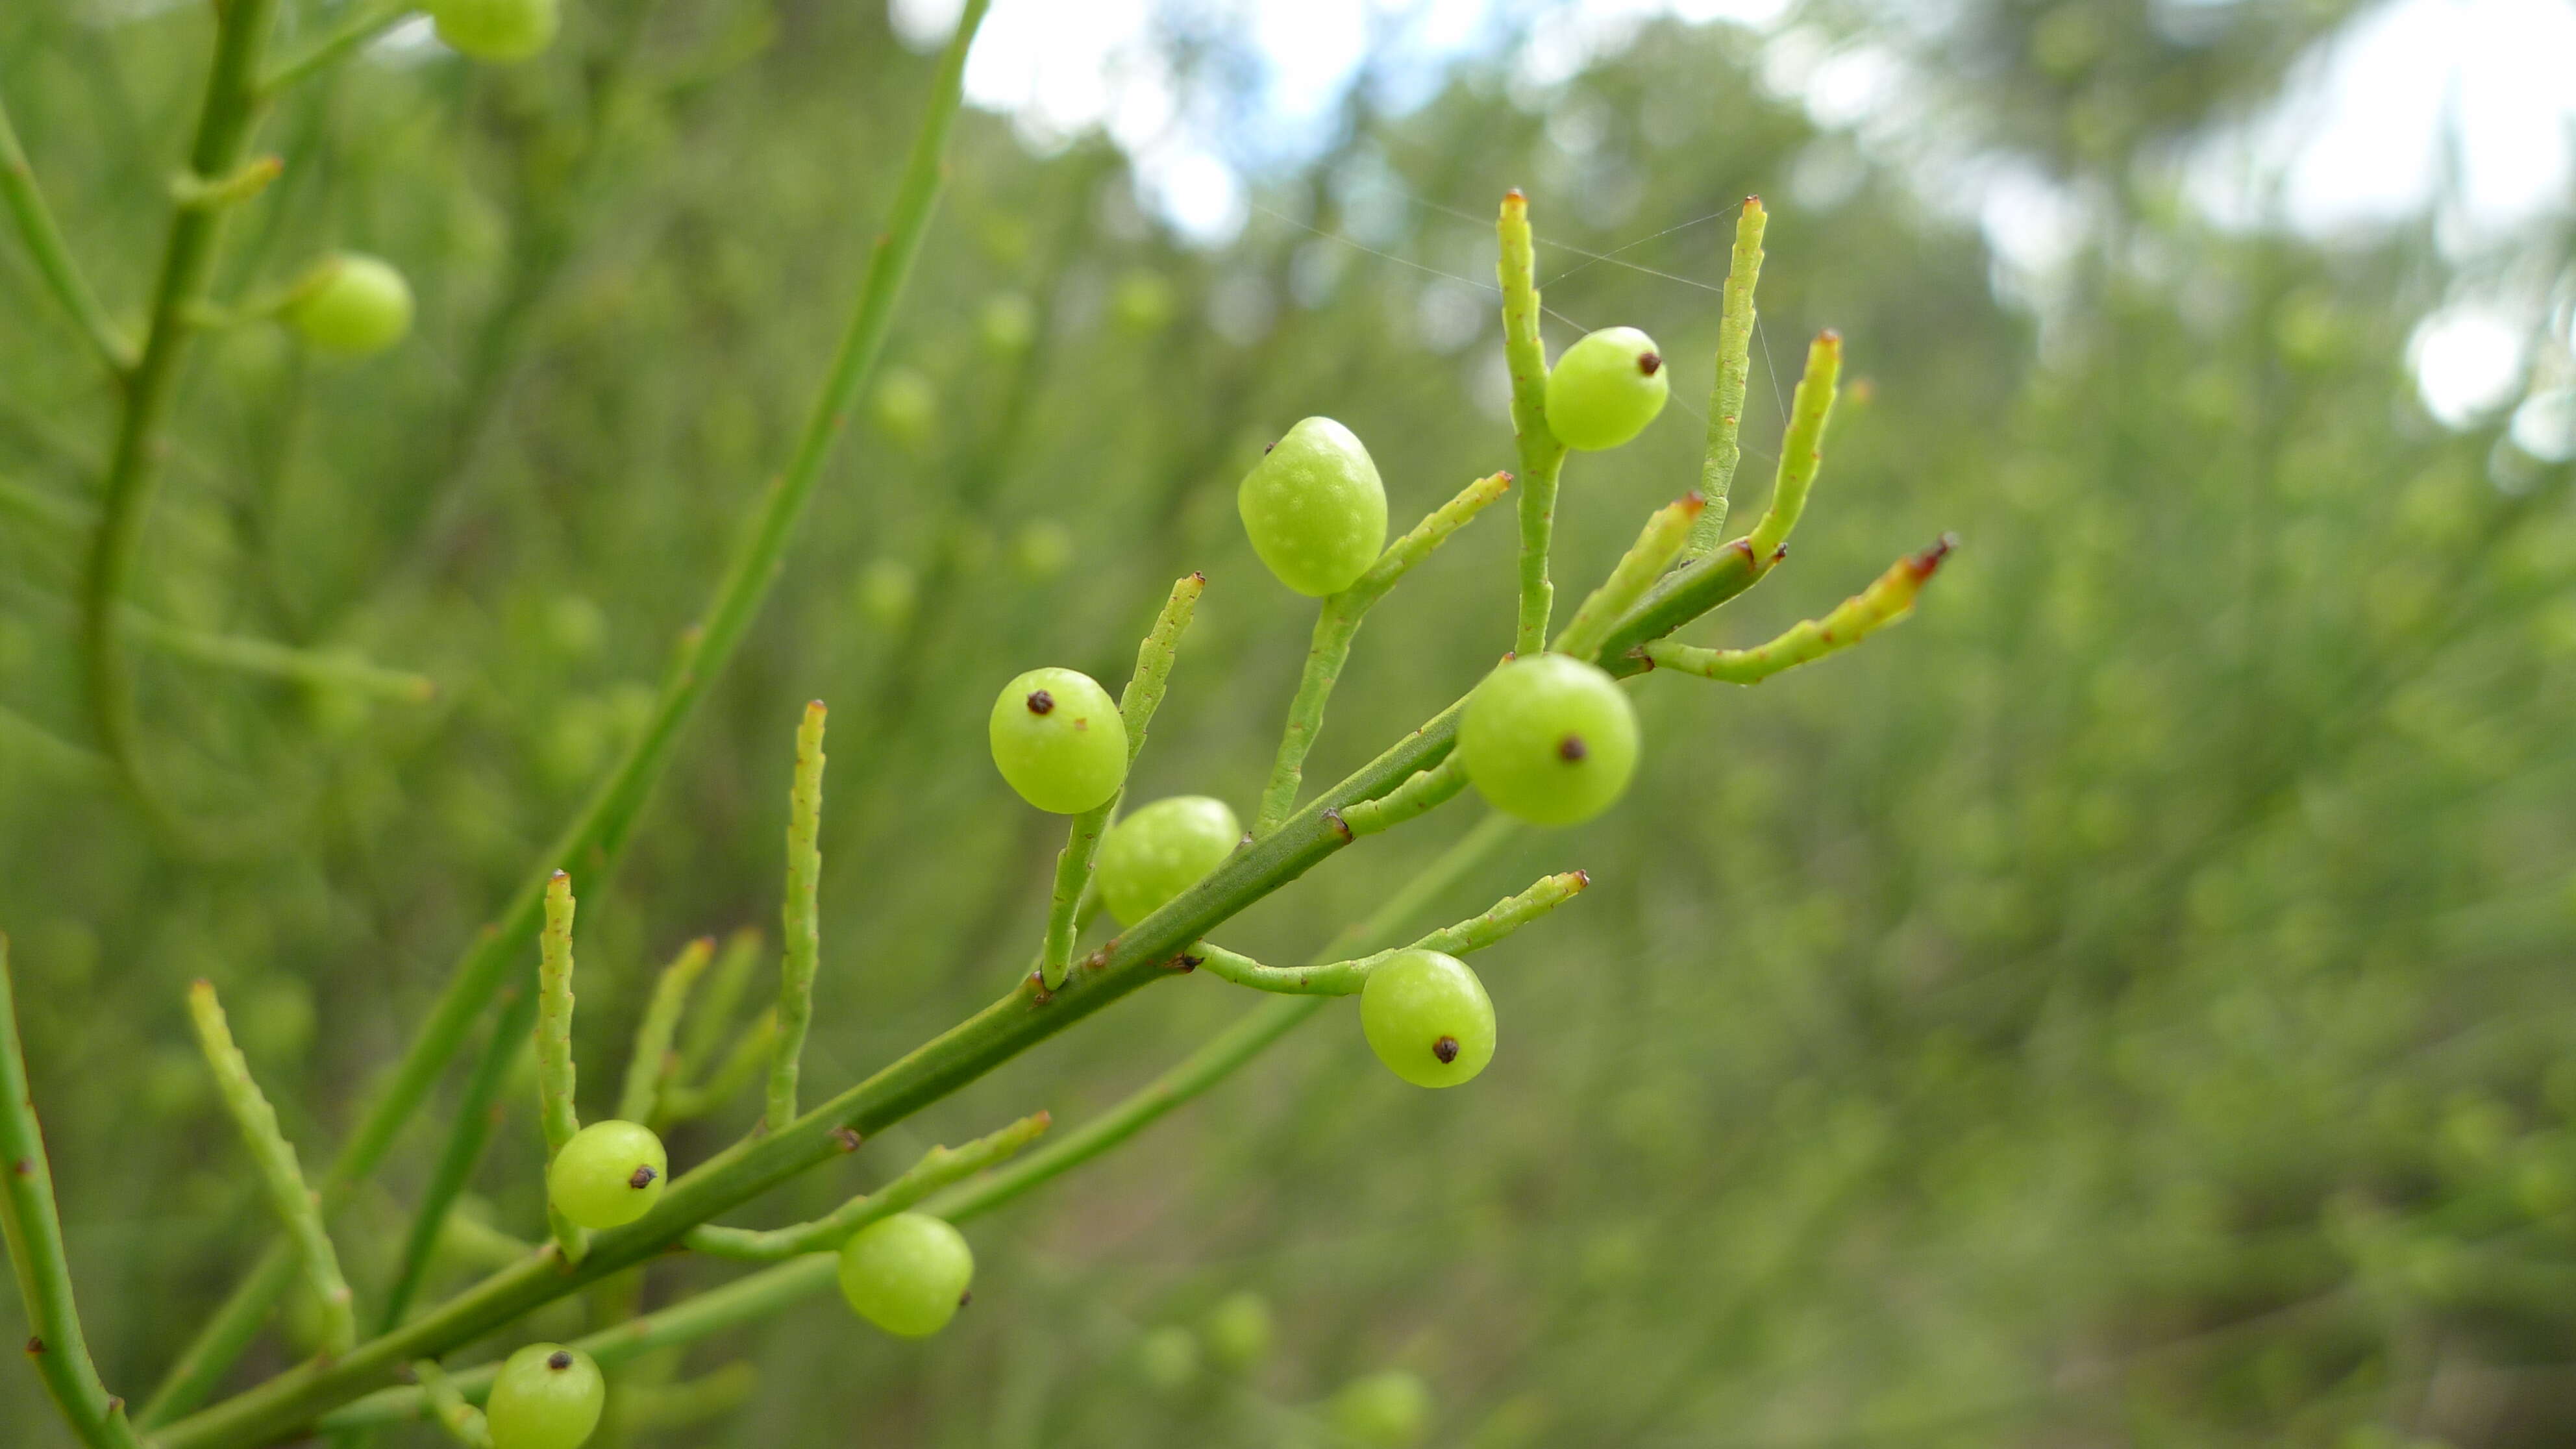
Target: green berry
x,y
1009,324
907,1274
1606,388
1315,509
496,30
1238,1329
1391,1410
1058,739
1168,1358
907,407
608,1175
1163,850
547,1397
1552,740
362,306
1428,1018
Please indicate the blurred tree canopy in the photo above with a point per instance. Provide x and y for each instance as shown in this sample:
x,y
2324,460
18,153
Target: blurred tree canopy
x,y
2128,1004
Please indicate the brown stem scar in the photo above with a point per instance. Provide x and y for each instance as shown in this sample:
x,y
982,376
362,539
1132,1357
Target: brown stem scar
x,y
1446,1049
1572,749
1040,702
642,1178
847,1136
559,1360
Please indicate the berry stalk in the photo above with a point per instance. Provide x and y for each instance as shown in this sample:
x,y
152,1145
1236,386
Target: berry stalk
x,y
358,24
1542,456
1736,316
937,1168
801,921
1421,792
1348,978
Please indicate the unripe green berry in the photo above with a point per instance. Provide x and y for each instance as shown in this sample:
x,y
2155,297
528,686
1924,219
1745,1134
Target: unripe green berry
x,y
1168,1358
907,1274
1315,509
496,30
1391,1410
1058,739
1163,850
1009,323
608,1175
1428,1018
1550,739
547,1397
1238,1329
907,406
1606,388
363,306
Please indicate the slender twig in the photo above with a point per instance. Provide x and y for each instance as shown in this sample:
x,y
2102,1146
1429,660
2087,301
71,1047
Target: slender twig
x,y
334,668
53,254
556,1113
462,1421
661,1408
750,1053
650,1065
1422,792
1802,447
297,1205
1349,978
478,1112
28,741
704,1031
800,919
1542,456
1657,545
360,22
1886,601
597,837
1337,624
59,1350
1734,367
937,1169
1136,705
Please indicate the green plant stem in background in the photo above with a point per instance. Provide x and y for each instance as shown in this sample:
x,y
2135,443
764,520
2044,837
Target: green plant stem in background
x,y
1886,601
44,239
1656,547
1542,456
1425,791
596,839
801,928
1136,705
703,1031
134,465
556,1113
1337,624
297,1205
1801,447
749,1054
937,1168
462,1421
478,1110
661,1408
359,22
1735,321
59,1350
651,1062
321,668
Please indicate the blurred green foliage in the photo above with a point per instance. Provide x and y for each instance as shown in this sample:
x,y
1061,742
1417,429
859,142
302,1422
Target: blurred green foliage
x,y
2128,1004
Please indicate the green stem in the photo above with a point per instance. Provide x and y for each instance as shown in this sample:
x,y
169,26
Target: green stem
x,y
750,1053
1656,546
1349,978
1418,795
1734,367
800,919
597,838
246,655
1136,705
224,126
478,1112
937,1168
651,1063
1887,601
360,22
1332,978
462,1421
1802,447
34,1231
661,1408
1685,594
731,976
1338,624
556,1112
1542,456
54,255
297,1205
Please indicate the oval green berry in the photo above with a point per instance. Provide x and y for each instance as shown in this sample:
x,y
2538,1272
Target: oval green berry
x,y
608,1175
907,1274
1391,1410
1551,739
1057,737
1606,388
547,1397
1238,1329
1168,1358
496,30
363,306
1428,1018
1163,850
1314,508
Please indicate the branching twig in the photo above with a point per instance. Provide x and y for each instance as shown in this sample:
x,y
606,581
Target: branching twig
x,y
1542,456
800,920
1734,365
1657,545
1886,601
1349,978
360,22
555,1073
937,1169
704,1031
650,1065
53,254
1802,447
1419,794
463,1422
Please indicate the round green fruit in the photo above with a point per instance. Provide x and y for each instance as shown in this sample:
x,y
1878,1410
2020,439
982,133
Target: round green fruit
x,y
496,30
1606,388
1238,1329
1057,737
907,1274
361,307
608,1175
1168,1358
1391,1410
547,1397
1315,509
1428,1018
1163,850
1550,739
